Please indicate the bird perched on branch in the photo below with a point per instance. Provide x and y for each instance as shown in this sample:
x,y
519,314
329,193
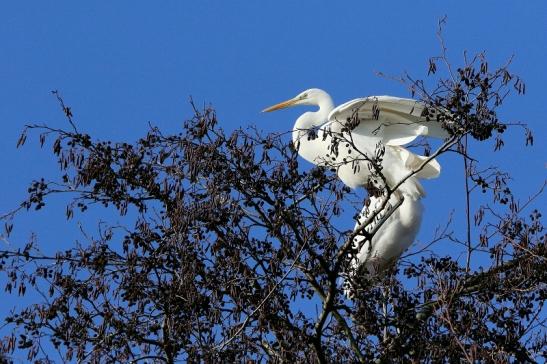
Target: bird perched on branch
x,y
362,141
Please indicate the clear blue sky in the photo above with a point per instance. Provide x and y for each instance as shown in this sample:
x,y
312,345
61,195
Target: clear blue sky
x,y
121,64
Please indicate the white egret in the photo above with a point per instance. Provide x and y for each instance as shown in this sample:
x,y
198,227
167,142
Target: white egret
x,y
324,137
347,138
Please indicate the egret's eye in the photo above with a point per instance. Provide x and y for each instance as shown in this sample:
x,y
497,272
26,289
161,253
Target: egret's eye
x,y
303,96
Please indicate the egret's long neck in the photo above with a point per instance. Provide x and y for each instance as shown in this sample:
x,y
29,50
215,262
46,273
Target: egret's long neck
x,y
311,119
312,149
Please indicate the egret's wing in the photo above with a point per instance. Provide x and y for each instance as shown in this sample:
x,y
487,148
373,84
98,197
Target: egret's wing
x,y
397,121
413,161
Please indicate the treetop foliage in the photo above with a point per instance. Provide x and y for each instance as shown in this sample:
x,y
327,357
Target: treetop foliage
x,y
235,252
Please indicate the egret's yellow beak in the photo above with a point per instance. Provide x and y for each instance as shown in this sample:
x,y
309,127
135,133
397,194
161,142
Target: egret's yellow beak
x,y
282,105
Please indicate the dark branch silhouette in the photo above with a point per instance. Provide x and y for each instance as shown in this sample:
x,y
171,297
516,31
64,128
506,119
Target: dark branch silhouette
x,y
229,251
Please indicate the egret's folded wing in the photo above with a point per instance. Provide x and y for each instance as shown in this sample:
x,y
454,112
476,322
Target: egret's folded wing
x,y
401,134
413,162
395,120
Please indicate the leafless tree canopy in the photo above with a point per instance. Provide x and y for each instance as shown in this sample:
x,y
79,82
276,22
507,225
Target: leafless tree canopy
x,y
232,252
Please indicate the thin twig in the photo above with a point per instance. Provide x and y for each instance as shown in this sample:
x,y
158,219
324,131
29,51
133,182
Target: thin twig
x,y
246,321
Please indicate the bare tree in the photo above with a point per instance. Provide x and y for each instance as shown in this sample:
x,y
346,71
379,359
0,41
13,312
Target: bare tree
x,y
232,252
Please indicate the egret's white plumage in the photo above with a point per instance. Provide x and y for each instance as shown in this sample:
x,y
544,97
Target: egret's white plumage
x,y
323,137
393,237
347,137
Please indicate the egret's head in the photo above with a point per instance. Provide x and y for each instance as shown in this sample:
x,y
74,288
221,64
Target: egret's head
x,y
313,96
